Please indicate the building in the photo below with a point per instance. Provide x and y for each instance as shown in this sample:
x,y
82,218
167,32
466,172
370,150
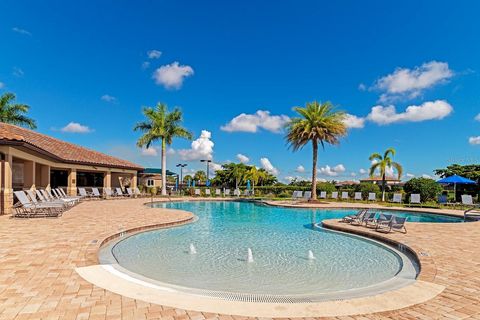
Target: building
x,y
30,160
389,181
152,177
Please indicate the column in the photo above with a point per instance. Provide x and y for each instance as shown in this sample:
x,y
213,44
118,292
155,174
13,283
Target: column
x,y
45,177
107,180
72,182
29,175
133,181
7,188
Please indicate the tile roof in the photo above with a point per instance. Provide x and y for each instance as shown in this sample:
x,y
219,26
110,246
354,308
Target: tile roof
x,y
63,151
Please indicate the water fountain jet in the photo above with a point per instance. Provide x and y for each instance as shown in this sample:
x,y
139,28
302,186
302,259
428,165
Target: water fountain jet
x,y
249,256
310,255
192,249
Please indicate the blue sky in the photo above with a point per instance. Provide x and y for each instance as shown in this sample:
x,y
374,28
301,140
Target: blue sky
x,y
94,64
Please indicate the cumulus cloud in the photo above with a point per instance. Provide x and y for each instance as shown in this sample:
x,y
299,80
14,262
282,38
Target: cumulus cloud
x,y
426,176
362,87
21,31
261,119
477,117
145,65
267,165
149,152
74,127
242,158
352,121
2,85
201,148
214,167
332,171
430,110
108,98
17,72
171,76
362,171
474,140
300,169
410,83
410,175
154,54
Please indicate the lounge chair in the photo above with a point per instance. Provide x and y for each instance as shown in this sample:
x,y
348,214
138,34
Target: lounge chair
x,y
397,198
352,217
335,195
138,193
357,196
50,197
297,195
307,195
236,192
467,200
25,208
130,193
218,193
57,204
226,193
395,224
108,192
323,194
382,218
372,196
197,192
119,192
83,193
415,199
207,192
96,193
345,195
363,219
246,193
65,196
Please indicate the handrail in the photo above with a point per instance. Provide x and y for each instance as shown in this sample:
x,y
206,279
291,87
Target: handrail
x,y
476,213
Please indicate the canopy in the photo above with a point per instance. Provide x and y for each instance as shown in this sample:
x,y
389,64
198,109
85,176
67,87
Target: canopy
x,y
456,179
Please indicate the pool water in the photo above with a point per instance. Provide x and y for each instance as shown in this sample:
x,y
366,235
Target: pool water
x,y
280,239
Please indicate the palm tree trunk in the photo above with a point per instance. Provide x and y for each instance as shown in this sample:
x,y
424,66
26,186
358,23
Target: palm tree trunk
x,y
164,168
383,187
314,170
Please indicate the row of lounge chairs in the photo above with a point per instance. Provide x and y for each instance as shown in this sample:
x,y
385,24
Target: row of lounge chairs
x,y
109,193
48,203
397,197
382,222
226,193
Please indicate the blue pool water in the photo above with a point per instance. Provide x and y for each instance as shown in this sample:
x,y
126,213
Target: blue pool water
x,y
280,239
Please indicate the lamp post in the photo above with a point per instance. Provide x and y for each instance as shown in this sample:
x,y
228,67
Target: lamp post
x,y
208,169
181,166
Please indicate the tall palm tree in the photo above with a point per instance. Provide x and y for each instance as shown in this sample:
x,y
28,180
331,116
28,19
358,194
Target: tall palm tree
x,y
318,123
254,175
382,163
14,113
164,126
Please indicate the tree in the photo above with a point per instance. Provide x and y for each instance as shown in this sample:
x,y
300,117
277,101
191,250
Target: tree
x,y
14,113
187,178
381,164
366,187
163,126
318,123
200,176
427,188
470,171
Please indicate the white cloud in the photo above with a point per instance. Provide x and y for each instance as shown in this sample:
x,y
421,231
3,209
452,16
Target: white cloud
x,y
149,152
300,169
426,176
430,110
2,85
108,98
352,121
17,72
171,151
474,140
259,120
362,171
74,127
21,31
145,65
298,178
332,172
410,83
353,174
362,87
477,117
214,167
201,148
171,76
242,158
267,165
154,54
410,175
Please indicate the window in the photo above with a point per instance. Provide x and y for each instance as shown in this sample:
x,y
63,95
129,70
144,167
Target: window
x,y
150,183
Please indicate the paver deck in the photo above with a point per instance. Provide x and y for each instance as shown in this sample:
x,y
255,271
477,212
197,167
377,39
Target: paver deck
x,y
38,258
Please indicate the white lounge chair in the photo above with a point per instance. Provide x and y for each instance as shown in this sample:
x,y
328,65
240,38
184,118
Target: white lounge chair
x,y
218,193
108,192
323,194
467,200
207,192
236,192
65,196
345,195
96,193
297,195
130,193
197,192
138,193
357,196
50,197
307,195
397,198
372,196
119,192
25,208
246,193
358,215
395,224
33,198
83,193
335,195
415,199
226,193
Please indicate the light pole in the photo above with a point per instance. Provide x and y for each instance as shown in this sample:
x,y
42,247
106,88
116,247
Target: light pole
x,y
181,165
208,169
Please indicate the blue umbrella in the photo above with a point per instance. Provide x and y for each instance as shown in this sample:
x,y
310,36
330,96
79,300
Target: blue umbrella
x,y
207,183
176,184
456,179
248,184
189,183
193,183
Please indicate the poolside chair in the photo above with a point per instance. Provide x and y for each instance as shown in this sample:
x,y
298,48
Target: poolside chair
x,y
207,192
197,192
395,224
83,193
372,196
226,193
357,196
382,218
236,192
65,196
367,216
467,200
130,193
352,217
415,199
323,194
442,199
345,195
108,192
138,193
49,196
119,192
246,193
307,195
335,195
57,204
218,193
397,198
96,194
61,198
297,195
25,208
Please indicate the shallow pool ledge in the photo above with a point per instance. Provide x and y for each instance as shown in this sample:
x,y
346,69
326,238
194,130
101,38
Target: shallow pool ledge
x,y
104,276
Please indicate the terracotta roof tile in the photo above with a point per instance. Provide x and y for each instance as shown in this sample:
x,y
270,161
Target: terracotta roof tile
x,y
65,151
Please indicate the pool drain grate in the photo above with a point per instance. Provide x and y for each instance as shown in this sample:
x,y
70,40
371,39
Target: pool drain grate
x,y
254,297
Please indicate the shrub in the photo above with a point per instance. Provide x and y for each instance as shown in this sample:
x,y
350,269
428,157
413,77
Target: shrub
x,y
427,188
366,187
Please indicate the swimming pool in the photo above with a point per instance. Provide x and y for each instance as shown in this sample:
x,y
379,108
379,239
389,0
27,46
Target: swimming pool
x,y
288,256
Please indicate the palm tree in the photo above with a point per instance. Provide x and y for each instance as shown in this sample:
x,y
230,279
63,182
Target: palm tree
x,y
14,113
319,124
200,176
382,163
254,175
164,126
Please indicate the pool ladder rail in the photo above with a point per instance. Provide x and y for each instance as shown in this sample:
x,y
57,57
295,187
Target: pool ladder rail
x,y
472,213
